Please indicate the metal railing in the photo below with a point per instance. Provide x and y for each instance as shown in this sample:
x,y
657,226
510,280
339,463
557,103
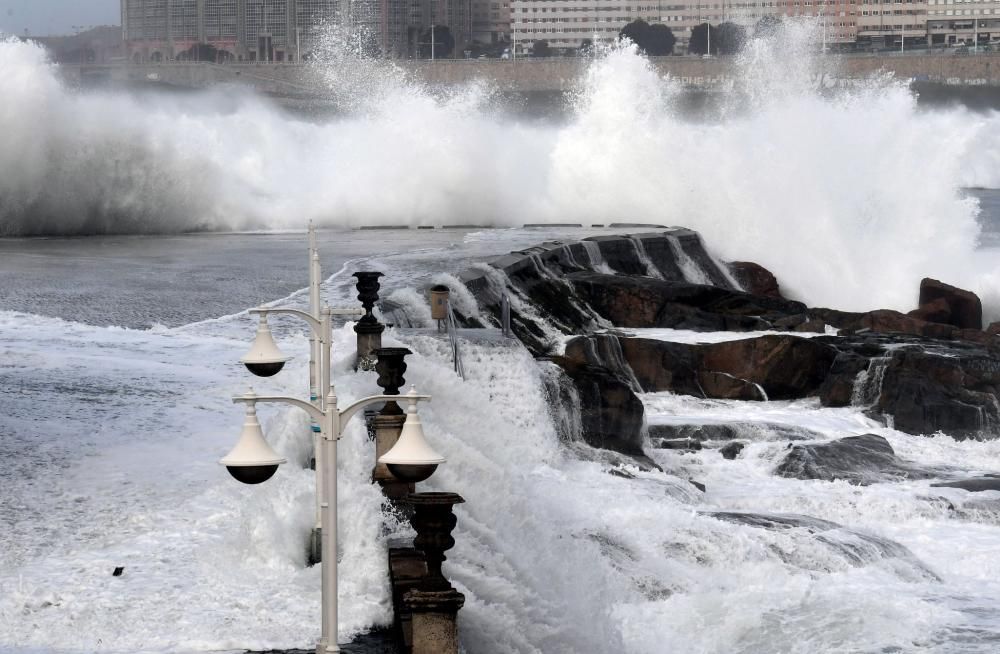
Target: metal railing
x,y
456,353
505,315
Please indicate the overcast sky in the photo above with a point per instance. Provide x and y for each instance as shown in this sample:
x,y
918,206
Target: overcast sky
x,y
49,17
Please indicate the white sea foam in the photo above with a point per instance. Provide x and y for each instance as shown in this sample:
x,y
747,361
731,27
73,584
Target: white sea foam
x,y
850,199
553,553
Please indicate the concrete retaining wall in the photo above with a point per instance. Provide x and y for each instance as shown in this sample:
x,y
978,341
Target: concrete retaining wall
x,y
535,75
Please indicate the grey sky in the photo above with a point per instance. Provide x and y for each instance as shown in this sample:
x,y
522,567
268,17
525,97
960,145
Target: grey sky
x,y
50,17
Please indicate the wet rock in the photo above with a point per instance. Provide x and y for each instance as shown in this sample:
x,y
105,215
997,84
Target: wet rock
x,y
611,416
885,321
685,444
731,431
725,386
974,484
732,450
699,432
784,366
861,460
854,547
964,309
919,386
774,521
697,484
936,311
766,367
922,376
994,329
954,391
645,302
755,278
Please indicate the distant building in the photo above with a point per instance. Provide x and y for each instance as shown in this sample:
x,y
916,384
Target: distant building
x,y
244,30
288,30
99,45
490,22
567,23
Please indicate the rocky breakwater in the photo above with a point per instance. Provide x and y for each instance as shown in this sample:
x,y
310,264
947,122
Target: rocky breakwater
x,y
934,370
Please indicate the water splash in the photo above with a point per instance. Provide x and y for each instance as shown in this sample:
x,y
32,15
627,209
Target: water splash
x,y
831,191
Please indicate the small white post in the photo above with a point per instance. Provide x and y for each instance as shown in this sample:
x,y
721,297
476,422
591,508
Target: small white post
x,y
315,374
331,435
326,493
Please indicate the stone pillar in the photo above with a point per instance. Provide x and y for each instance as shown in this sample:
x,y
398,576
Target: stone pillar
x,y
434,604
390,365
387,430
433,626
368,328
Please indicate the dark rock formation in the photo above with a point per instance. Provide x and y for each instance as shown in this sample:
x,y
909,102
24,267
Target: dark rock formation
x,y
854,547
767,367
707,432
611,414
957,393
861,460
994,329
730,431
959,307
937,311
973,484
755,278
922,387
731,450
934,370
774,521
685,444
645,302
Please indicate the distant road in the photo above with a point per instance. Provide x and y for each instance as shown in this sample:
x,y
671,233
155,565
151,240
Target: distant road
x,y
538,75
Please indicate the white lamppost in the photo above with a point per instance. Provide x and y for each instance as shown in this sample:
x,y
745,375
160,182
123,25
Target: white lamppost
x,y
252,461
265,360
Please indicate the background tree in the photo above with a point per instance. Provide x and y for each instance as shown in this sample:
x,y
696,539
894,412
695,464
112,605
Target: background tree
x,y
655,40
541,49
732,38
660,41
635,32
444,42
700,37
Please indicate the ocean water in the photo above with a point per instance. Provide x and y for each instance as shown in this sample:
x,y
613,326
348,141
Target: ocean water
x,y
119,359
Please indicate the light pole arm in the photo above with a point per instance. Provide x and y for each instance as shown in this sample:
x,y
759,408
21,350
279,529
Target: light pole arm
x,y
316,325
349,412
347,312
315,413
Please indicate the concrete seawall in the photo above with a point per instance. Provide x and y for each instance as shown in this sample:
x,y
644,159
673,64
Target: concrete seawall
x,y
537,75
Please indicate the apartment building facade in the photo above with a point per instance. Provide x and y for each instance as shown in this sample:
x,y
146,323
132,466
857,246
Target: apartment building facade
x,y
567,23
288,30
245,30
842,24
